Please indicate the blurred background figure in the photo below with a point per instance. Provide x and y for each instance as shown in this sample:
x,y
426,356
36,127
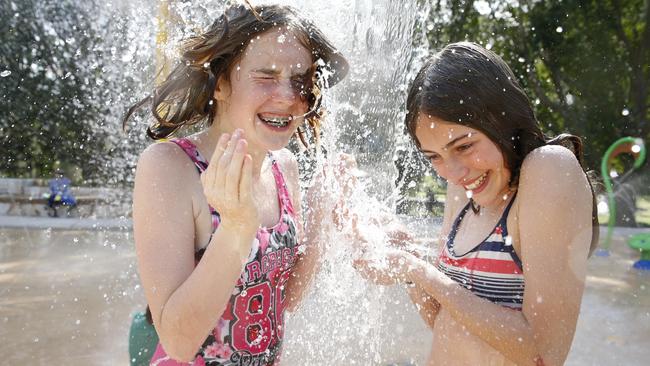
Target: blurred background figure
x,y
60,194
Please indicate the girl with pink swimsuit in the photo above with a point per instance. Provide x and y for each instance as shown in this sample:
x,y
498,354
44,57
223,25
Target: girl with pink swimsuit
x,y
217,215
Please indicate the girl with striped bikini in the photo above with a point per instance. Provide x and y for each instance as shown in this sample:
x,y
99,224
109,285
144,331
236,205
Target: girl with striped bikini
x,y
519,220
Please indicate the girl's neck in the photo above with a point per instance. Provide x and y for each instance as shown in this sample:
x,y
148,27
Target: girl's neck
x,y
499,204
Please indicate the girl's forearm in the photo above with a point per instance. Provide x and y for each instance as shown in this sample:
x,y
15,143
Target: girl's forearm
x,y
193,309
506,330
427,306
303,272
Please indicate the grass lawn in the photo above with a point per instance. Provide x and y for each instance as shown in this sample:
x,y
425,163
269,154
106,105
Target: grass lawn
x,y
642,212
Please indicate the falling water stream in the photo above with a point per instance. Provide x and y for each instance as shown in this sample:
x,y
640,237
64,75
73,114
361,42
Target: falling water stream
x,y
66,296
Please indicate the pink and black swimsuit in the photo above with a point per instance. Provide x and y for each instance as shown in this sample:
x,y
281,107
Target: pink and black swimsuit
x,y
250,330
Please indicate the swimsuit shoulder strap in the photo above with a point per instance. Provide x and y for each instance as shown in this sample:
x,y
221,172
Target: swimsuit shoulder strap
x,y
192,152
280,183
201,165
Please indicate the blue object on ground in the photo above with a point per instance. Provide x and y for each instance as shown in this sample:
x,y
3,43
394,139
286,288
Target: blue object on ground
x,y
642,264
601,252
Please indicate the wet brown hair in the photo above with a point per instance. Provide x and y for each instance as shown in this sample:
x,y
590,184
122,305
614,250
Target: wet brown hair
x,y
469,85
185,97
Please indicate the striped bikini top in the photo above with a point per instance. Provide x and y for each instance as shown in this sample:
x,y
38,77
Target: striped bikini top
x,y
492,269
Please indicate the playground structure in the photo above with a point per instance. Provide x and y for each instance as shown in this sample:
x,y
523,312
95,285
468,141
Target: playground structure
x,y
636,148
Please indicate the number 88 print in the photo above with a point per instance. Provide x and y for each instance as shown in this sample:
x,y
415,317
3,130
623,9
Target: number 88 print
x,y
252,326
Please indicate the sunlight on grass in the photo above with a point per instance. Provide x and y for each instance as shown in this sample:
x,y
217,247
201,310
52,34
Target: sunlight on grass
x,y
642,212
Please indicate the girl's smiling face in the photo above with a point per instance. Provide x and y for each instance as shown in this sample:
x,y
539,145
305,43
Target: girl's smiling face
x,y
266,95
465,157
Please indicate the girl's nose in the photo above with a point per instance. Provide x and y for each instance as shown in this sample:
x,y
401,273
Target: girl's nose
x,y
455,172
286,91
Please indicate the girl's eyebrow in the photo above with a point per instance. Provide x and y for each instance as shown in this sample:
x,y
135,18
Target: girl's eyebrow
x,y
449,144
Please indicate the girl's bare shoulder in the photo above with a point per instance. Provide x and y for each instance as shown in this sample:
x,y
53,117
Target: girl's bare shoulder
x,y
164,163
552,173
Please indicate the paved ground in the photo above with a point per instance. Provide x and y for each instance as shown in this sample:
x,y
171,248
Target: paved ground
x,y
20,222
66,296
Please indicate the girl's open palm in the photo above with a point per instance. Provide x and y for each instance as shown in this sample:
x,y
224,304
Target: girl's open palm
x,y
228,182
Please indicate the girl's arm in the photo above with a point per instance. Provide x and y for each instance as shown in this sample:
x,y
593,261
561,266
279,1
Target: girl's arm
x,y
554,220
308,257
186,301
311,240
427,306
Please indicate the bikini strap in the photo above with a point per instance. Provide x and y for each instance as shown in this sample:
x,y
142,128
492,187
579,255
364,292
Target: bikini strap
x,y
201,165
504,217
192,152
454,227
280,183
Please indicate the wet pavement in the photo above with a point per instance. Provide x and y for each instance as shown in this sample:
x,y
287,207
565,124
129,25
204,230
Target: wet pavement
x,y
66,296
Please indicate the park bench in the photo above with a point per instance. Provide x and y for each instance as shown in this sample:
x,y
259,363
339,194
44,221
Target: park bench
x,y
15,202
28,198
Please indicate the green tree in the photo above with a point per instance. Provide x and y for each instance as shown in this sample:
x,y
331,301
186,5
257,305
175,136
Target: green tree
x,y
63,89
584,63
44,107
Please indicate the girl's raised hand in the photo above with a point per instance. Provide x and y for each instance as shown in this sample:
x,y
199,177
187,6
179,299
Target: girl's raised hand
x,y
228,183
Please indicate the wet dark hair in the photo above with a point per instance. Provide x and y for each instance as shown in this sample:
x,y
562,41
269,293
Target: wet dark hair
x,y
469,85
185,97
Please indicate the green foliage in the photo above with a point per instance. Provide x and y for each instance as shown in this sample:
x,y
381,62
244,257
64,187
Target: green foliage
x,y
57,92
44,104
585,64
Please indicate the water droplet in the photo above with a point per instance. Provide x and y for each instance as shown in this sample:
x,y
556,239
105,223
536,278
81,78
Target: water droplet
x,y
636,149
508,240
430,26
469,194
625,112
461,101
559,29
282,38
569,99
521,59
78,322
613,173
603,208
5,73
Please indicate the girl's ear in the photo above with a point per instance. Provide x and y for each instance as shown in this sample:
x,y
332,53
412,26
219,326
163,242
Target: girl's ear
x,y
222,91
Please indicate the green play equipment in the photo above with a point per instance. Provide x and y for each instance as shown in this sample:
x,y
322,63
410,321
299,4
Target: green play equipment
x,y
641,242
635,147
143,340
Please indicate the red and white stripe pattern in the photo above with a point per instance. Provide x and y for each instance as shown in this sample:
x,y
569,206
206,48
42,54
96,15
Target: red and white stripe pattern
x,y
492,270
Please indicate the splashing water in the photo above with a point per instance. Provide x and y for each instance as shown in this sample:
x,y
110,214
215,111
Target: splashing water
x,y
344,319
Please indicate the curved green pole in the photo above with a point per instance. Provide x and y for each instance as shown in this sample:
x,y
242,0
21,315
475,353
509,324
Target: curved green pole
x,y
604,167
